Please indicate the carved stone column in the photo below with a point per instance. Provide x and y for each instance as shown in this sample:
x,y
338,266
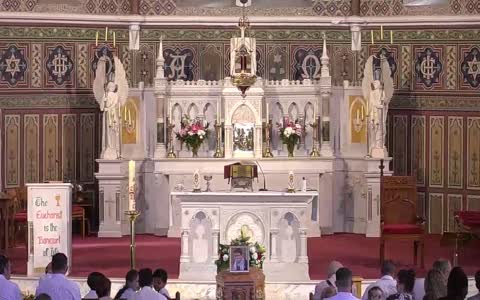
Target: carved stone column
x,y
326,91
303,258
185,256
273,245
215,234
162,106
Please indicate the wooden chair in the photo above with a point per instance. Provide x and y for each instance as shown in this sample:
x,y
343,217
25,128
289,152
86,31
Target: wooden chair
x,y
19,196
399,220
78,214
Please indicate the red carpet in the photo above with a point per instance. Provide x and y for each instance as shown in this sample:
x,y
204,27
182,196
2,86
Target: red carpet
x,y
111,256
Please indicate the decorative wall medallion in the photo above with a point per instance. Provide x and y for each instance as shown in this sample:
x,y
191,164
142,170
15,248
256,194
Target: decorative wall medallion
x,y
103,51
470,67
179,63
306,63
391,54
428,67
277,62
13,65
59,65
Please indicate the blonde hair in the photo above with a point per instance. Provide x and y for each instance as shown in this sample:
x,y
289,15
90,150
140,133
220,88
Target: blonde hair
x,y
435,285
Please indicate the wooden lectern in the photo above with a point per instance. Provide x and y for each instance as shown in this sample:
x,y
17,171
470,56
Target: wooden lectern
x,y
241,286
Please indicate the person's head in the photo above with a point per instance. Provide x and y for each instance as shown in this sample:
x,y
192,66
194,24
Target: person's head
x,y
477,280
405,281
131,279
48,268
333,266
435,284
93,279
457,285
388,268
344,280
238,255
43,297
328,292
160,278
444,266
375,293
145,277
103,287
5,267
59,263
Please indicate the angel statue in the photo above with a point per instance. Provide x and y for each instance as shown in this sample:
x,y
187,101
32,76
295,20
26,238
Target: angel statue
x,y
111,91
377,86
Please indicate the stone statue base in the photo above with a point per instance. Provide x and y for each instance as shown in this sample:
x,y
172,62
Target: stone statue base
x,y
379,153
109,153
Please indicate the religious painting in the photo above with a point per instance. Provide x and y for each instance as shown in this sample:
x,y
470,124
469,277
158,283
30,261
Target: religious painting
x,y
469,67
455,152
473,153
210,64
436,151
59,65
14,65
239,259
180,62
277,62
129,113
418,134
243,137
428,68
306,63
358,128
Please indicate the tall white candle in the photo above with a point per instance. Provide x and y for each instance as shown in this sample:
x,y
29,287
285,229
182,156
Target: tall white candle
x,y
267,112
218,111
131,186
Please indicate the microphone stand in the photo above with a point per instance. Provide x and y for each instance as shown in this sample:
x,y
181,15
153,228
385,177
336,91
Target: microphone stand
x,y
264,180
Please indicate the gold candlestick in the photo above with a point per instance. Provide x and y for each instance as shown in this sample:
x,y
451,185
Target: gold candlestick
x,y
315,152
218,149
267,153
171,150
132,217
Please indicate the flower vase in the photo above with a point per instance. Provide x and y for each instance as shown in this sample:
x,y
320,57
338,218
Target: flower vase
x,y
195,151
290,148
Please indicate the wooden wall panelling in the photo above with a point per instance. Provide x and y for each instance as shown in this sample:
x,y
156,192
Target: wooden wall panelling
x,y
473,153
421,205
31,133
69,147
435,213
12,150
436,151
50,147
400,144
473,202
454,203
418,149
87,147
455,152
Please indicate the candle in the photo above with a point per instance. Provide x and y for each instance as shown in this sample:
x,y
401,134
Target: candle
x,y
114,40
371,35
391,37
106,34
96,38
218,112
362,112
125,113
131,186
314,114
381,32
266,111
358,115
129,118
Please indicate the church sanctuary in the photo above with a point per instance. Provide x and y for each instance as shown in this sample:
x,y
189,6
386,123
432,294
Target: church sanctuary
x,y
240,149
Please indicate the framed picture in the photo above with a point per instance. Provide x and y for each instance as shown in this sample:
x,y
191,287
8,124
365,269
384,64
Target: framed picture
x,y
239,259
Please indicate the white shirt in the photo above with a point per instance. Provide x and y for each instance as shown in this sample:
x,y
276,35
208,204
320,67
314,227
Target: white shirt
x,y
147,293
319,288
343,296
58,287
9,290
240,265
91,295
476,297
386,283
419,289
127,294
164,292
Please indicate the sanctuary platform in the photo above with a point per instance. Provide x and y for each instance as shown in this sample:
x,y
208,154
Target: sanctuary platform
x,y
359,253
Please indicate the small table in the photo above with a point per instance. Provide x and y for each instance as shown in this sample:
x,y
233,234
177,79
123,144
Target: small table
x,y
245,286
6,213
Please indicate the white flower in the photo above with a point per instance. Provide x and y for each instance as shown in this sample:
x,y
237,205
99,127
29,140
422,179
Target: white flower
x,y
201,137
298,126
201,132
255,256
225,257
190,133
252,249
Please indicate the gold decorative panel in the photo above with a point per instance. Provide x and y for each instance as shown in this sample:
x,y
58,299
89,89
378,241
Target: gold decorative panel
x,y
87,147
435,213
436,151
129,113
418,131
50,147
358,130
455,152
454,204
69,147
31,148
473,153
12,150
473,203
400,144
421,205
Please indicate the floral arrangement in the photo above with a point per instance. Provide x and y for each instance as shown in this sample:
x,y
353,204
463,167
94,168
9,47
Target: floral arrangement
x,y
290,134
193,133
257,252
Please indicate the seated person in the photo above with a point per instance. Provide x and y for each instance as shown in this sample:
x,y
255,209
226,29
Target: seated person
x,y
160,278
130,287
477,284
92,281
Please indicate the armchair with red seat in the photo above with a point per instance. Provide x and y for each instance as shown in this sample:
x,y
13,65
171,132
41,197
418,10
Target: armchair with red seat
x,y
399,220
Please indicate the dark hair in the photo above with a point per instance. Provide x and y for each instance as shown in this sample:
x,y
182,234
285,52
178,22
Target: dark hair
x,y
457,285
145,277
130,276
162,274
375,288
103,287
3,263
238,250
93,280
388,268
407,278
59,262
43,297
343,278
477,279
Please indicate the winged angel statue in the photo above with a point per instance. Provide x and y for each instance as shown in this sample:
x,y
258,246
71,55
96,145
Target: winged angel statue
x,y
111,91
377,86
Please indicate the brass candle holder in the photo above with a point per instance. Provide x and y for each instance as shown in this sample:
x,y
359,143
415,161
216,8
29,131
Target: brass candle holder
x,y
171,150
267,153
315,152
218,149
132,217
